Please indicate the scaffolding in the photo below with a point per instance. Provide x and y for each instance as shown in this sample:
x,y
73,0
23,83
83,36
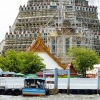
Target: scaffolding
x,y
61,23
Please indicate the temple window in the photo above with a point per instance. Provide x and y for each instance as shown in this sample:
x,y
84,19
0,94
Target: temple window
x,y
83,8
45,34
67,43
8,36
12,36
17,36
21,35
45,40
53,47
97,37
30,35
78,41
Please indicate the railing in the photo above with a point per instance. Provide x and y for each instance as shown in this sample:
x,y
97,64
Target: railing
x,y
98,85
2,83
57,72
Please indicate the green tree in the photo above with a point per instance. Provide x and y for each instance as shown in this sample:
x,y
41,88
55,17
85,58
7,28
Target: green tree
x,y
3,63
83,59
30,62
25,62
11,60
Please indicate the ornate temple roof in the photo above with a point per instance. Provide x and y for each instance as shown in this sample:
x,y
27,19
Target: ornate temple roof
x,y
39,46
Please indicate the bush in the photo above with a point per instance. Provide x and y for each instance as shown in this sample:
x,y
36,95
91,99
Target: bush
x,y
65,76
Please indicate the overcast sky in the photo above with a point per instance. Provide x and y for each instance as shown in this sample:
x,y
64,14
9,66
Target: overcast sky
x,y
8,13
9,10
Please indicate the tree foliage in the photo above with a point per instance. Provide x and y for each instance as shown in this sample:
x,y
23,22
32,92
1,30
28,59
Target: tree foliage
x,y
25,62
83,58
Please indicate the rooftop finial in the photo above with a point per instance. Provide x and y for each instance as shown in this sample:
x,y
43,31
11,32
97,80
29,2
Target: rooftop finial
x,y
6,33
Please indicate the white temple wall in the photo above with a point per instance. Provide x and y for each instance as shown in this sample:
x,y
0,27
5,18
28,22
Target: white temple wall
x,y
48,61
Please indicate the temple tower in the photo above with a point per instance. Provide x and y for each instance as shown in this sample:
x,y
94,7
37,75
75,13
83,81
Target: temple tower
x,y
61,23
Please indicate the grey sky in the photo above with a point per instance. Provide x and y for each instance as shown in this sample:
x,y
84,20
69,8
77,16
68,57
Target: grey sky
x,y
9,11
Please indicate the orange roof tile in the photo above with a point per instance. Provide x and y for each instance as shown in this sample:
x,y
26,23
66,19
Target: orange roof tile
x,y
39,46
